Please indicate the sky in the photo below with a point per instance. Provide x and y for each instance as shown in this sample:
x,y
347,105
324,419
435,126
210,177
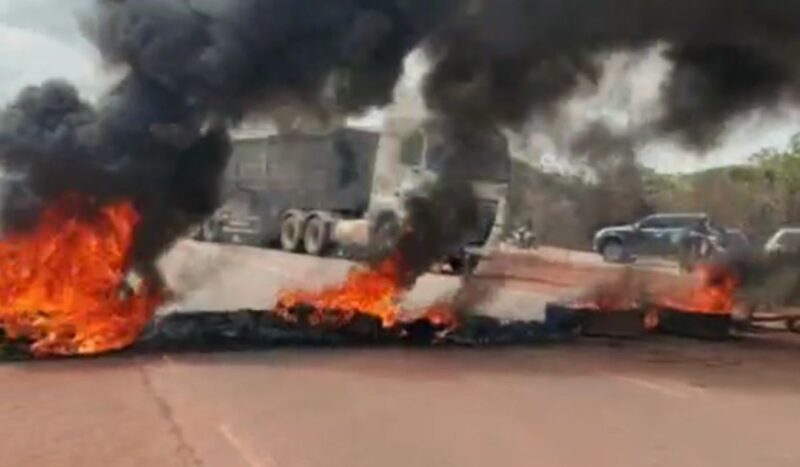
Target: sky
x,y
41,39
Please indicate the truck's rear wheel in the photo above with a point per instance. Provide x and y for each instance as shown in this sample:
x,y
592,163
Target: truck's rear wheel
x,y
317,236
292,232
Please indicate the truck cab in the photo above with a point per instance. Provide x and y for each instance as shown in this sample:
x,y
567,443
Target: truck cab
x,y
411,158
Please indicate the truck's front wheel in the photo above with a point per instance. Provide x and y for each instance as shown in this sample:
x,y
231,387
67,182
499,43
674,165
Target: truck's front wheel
x,y
210,231
464,265
292,232
386,232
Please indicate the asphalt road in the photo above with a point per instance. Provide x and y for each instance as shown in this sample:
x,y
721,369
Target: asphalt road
x,y
593,403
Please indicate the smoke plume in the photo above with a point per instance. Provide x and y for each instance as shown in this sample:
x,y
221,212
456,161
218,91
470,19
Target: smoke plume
x,y
503,60
191,69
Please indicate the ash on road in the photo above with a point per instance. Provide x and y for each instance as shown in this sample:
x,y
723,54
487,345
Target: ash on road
x,y
659,402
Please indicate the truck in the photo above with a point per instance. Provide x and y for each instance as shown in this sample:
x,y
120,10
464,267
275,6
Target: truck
x,y
338,190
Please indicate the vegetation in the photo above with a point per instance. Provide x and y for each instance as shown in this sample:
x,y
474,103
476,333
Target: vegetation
x,y
758,197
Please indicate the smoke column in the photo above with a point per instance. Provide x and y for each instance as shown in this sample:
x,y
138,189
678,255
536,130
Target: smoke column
x,y
191,69
500,61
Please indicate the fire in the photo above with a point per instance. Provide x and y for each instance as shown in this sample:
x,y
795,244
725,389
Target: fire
x,y
375,291
713,294
441,315
60,282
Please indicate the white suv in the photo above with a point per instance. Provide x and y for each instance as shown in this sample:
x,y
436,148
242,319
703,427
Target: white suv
x,y
786,240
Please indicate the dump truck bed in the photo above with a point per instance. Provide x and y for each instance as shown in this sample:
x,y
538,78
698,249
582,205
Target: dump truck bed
x,y
330,172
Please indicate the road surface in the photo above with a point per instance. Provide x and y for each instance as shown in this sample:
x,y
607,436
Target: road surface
x,y
592,403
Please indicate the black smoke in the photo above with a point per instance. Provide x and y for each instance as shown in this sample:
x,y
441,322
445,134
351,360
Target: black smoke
x,y
233,56
191,69
446,216
500,61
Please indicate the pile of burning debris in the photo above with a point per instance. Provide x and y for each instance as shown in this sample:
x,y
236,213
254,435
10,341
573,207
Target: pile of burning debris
x,y
704,310
65,291
92,317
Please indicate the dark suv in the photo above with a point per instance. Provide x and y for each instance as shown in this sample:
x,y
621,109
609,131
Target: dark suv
x,y
658,234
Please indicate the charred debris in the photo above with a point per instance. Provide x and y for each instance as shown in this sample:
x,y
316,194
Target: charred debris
x,y
256,330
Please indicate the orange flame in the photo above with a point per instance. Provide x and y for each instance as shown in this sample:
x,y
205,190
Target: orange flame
x,y
60,283
441,315
713,294
376,292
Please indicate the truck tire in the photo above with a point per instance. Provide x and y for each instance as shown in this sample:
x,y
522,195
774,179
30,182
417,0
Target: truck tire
x,y
210,231
613,251
292,228
386,232
317,235
464,265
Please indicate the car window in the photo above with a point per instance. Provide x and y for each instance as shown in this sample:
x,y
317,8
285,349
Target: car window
x,y
652,223
689,222
789,240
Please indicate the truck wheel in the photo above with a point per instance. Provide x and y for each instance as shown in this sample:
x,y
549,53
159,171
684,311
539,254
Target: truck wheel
x,y
464,265
386,232
292,232
456,265
317,236
613,252
472,263
210,231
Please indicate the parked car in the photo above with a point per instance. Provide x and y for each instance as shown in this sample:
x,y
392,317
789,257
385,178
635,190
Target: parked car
x,y
785,240
658,234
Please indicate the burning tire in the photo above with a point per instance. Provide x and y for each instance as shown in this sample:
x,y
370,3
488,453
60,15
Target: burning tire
x,y
292,231
317,236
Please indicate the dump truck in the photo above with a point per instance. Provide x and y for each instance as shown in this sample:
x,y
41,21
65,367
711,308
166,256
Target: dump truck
x,y
338,190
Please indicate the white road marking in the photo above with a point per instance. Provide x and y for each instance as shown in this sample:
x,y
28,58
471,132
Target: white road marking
x,y
674,390
248,456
